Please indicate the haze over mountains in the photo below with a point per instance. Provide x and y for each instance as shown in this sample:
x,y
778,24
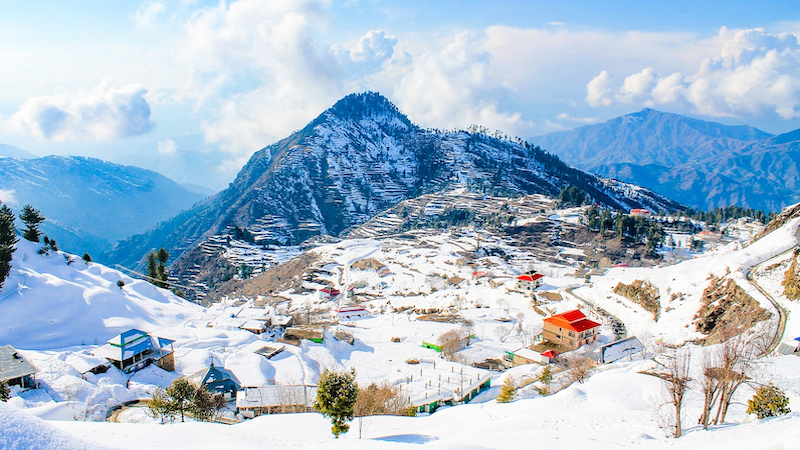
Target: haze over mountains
x,y
358,158
700,164
90,203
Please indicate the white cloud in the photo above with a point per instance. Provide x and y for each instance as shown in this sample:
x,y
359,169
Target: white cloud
x,y
446,84
167,147
7,196
599,91
584,120
149,12
265,68
105,112
752,72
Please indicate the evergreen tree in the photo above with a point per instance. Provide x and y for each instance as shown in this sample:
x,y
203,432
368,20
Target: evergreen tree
x,y
181,394
546,377
336,399
156,268
205,406
769,401
87,258
160,406
8,240
508,392
31,218
5,391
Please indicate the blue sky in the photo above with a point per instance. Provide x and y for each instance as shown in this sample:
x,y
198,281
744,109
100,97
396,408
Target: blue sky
x,y
166,85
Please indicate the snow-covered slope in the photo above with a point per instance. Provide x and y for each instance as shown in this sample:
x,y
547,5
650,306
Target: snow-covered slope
x,y
681,286
57,300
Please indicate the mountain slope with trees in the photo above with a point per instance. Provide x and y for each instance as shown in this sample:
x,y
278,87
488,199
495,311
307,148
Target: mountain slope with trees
x,y
359,158
700,164
90,203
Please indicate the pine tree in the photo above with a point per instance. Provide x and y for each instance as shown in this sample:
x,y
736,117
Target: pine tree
x,y
336,399
181,394
769,401
31,218
156,268
546,377
8,240
508,392
161,406
205,406
87,258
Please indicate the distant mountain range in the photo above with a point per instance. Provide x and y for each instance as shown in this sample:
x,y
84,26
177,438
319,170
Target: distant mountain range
x,y
90,203
700,164
355,160
15,152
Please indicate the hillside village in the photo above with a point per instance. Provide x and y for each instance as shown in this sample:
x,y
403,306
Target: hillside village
x,y
445,315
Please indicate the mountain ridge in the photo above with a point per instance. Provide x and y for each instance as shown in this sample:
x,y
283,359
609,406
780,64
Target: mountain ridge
x,y
698,163
90,203
356,159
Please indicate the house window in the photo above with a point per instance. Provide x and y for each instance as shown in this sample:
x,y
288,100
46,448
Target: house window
x,y
571,334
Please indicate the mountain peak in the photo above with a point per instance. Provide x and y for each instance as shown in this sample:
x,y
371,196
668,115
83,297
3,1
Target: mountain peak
x,y
367,105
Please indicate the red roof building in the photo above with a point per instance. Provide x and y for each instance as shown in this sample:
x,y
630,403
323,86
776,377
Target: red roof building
x,y
640,212
328,293
529,281
570,329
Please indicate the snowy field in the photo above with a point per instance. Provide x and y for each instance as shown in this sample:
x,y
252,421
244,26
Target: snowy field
x,y
55,309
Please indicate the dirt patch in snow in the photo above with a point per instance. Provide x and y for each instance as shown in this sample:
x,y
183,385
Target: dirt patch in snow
x,y
643,293
727,311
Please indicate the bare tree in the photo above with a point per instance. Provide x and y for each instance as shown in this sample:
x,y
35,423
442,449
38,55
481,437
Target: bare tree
x,y
578,368
675,377
450,343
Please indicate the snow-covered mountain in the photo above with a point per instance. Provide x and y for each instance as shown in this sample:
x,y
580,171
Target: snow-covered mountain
x,y
90,203
359,158
15,152
700,164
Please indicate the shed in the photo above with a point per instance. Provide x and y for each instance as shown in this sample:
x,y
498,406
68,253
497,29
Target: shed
x,y
268,351
623,348
15,370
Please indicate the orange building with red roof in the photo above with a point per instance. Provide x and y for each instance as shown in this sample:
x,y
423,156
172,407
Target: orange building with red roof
x,y
570,329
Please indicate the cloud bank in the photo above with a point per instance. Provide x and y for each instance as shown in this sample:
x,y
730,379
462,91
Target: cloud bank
x,y
752,73
105,112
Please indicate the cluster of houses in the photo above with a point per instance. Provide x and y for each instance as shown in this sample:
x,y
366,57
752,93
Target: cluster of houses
x,y
567,332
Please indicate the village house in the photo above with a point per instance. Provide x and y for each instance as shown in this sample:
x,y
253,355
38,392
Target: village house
x,y
640,212
328,293
570,329
350,312
523,356
217,380
135,349
529,282
275,399
15,370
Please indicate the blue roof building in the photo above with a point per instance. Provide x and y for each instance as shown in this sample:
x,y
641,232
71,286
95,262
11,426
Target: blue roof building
x,y
217,380
135,349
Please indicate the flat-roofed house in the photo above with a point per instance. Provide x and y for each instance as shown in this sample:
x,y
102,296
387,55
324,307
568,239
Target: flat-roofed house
x,y
16,370
570,329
